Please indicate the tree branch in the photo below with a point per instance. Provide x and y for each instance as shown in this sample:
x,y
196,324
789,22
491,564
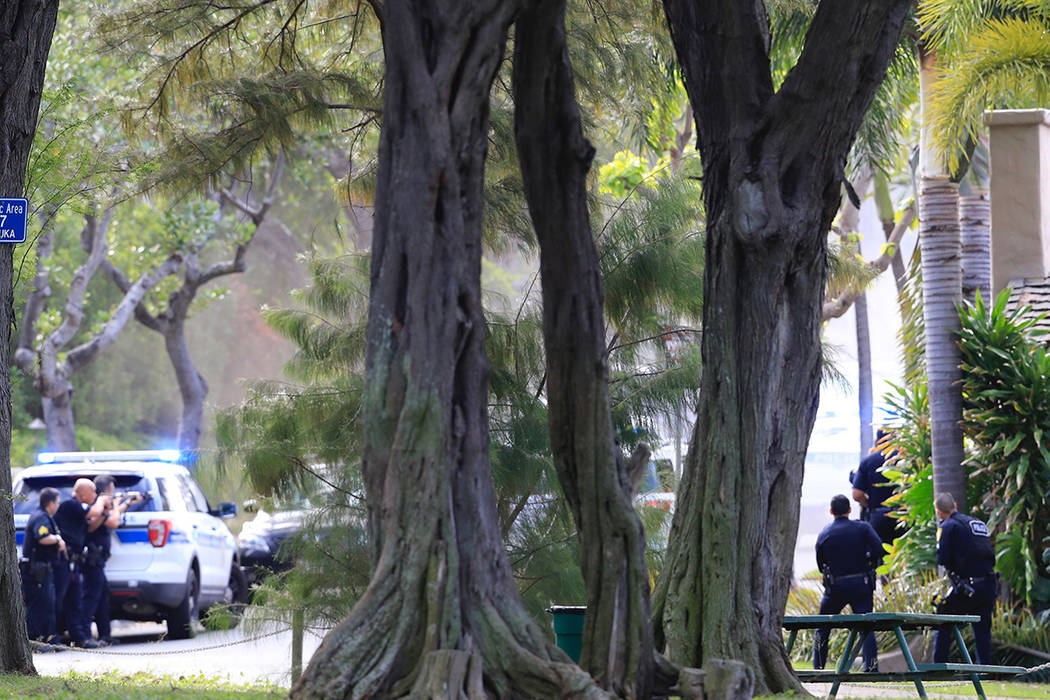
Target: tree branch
x,y
24,354
86,352
843,62
837,307
256,215
142,314
49,375
723,46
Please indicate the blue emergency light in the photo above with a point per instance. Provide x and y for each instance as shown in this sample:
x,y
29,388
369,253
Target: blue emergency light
x,y
110,456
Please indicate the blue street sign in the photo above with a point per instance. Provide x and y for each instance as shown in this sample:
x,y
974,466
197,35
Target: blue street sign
x,y
13,219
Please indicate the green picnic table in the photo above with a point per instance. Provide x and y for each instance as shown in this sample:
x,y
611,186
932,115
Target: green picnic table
x,y
859,625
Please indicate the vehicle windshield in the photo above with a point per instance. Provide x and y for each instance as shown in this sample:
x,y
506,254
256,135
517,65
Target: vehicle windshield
x,y
27,497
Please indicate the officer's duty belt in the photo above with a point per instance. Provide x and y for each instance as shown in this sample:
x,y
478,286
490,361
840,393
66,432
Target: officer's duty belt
x,y
847,577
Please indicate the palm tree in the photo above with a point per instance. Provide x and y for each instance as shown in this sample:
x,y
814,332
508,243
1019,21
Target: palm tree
x,y
989,51
941,249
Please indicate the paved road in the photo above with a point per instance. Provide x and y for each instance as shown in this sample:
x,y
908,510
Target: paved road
x,y
238,656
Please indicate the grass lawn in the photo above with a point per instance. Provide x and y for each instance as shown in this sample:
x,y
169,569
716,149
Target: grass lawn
x,y
935,689
136,687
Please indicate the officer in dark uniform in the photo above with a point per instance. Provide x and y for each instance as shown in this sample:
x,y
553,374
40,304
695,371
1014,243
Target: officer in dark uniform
x,y
72,520
96,553
40,549
965,549
848,551
871,488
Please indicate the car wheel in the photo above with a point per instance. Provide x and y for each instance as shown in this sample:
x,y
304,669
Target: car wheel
x,y
226,613
237,593
183,617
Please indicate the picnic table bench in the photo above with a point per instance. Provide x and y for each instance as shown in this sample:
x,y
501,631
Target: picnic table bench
x,y
859,625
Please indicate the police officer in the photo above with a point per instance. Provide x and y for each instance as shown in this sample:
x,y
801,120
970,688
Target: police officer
x,y
40,549
965,550
871,488
72,520
848,551
96,553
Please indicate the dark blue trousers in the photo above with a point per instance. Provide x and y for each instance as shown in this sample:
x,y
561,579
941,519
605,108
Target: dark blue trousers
x,y
39,598
96,598
982,603
69,598
857,594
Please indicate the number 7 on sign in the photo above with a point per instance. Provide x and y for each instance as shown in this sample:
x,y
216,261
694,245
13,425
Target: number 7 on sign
x,y
3,218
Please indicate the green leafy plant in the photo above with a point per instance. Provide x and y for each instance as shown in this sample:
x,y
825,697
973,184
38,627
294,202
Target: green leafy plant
x,y
911,467
1006,395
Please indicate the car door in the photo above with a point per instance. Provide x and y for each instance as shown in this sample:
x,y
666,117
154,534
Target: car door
x,y
210,538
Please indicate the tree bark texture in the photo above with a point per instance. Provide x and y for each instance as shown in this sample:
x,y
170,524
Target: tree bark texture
x,y
58,417
442,616
773,167
192,387
942,293
26,28
849,222
888,216
555,157
975,230
865,389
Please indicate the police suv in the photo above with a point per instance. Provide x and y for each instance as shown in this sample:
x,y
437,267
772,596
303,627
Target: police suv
x,y
172,556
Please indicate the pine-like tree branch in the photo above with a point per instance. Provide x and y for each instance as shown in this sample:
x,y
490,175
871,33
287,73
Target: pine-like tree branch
x,y
837,307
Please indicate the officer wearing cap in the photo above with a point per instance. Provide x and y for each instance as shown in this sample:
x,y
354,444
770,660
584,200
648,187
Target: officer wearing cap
x,y
871,488
848,552
40,549
965,550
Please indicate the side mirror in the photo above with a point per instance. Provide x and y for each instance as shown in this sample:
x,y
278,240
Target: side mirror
x,y
227,510
250,506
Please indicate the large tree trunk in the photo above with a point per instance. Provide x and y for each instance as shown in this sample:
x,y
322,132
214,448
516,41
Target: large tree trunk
x,y
772,173
596,479
26,27
192,387
58,416
442,616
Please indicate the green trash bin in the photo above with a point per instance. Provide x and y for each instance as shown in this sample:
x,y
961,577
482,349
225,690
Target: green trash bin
x,y
568,628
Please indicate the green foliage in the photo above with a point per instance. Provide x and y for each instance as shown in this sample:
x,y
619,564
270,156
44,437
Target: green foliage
x,y
1018,630
287,436
622,174
847,270
652,257
1006,404
994,54
911,335
884,140
224,84
911,467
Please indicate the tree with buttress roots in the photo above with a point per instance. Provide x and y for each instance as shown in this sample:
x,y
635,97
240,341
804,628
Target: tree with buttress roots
x,y
441,616
773,168
441,612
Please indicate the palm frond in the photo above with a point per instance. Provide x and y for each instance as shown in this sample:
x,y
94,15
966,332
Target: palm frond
x,y
946,24
1006,63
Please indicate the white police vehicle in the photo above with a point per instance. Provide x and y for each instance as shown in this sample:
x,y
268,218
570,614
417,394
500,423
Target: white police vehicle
x,y
172,556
